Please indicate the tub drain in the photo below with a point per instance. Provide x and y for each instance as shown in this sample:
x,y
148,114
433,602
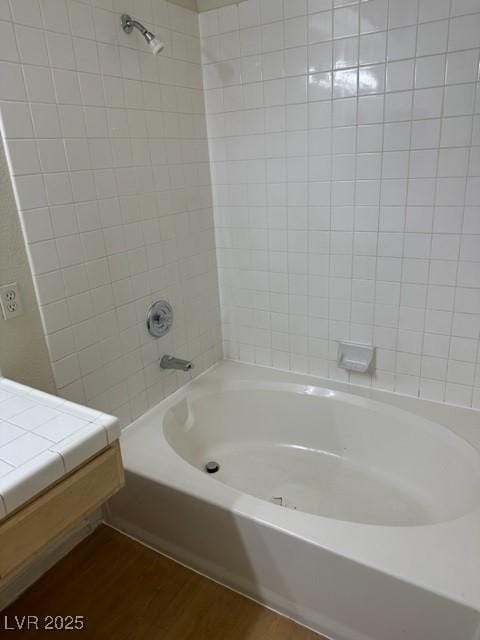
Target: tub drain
x,y
212,467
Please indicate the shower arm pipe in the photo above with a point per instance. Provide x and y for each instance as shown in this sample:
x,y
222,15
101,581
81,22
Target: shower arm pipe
x,y
129,24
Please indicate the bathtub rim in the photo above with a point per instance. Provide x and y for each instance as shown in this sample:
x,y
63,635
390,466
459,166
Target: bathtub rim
x,y
361,401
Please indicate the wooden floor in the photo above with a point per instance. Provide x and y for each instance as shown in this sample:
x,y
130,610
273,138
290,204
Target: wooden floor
x,y
128,592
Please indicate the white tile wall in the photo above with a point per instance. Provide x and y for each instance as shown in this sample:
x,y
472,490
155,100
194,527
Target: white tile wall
x,y
107,148
345,152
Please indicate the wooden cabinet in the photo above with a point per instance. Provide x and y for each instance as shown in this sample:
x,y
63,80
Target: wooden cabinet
x,y
33,527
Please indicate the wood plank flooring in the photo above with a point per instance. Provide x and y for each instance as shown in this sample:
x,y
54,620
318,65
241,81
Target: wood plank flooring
x,y
126,591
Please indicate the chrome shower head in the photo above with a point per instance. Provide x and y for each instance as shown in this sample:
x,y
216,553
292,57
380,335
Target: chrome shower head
x,y
128,24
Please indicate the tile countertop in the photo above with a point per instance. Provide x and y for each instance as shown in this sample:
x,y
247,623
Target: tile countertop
x,y
42,438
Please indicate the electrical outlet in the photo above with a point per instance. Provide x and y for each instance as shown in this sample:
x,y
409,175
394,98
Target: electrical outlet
x,y
10,301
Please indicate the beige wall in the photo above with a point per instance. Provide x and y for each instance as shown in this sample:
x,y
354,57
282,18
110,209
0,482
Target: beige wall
x,y
23,351
204,5
207,5
187,4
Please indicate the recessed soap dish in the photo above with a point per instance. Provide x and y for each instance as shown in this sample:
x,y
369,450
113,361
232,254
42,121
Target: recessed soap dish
x,y
356,357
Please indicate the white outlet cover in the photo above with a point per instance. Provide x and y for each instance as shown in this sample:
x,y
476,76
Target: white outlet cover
x,y
10,301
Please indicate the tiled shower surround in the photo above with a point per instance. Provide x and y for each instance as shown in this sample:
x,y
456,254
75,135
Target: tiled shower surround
x,y
109,158
344,144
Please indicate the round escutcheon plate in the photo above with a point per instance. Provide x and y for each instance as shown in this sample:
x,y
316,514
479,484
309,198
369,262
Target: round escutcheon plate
x,y
159,318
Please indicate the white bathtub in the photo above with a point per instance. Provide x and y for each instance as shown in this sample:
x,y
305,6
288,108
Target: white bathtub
x,y
355,517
